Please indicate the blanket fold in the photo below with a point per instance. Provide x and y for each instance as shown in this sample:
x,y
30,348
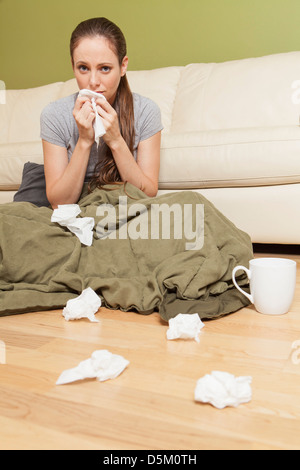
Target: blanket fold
x,y
174,251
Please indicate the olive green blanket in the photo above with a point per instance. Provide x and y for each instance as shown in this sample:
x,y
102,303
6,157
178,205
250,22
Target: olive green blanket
x,y
173,254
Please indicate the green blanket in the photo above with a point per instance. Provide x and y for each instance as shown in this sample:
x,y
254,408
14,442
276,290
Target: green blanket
x,y
173,254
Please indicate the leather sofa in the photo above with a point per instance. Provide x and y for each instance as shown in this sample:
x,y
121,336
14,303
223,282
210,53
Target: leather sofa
x,y
231,132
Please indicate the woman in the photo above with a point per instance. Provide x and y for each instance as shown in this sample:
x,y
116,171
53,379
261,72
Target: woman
x,y
130,148
156,269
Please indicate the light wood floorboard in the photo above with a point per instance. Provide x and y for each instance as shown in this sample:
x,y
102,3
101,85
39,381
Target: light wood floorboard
x,y
151,404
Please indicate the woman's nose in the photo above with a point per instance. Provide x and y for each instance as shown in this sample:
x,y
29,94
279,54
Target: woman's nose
x,y
94,80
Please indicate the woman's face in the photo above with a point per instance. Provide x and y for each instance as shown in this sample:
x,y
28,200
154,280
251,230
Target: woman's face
x,y
96,66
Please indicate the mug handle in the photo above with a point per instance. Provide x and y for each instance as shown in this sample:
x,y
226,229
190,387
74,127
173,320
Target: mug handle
x,y
248,272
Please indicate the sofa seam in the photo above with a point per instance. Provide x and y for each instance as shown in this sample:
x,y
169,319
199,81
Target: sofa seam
x,y
175,95
201,184
227,144
213,66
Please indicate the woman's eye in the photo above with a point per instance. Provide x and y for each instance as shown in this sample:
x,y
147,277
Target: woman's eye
x,y
82,68
105,68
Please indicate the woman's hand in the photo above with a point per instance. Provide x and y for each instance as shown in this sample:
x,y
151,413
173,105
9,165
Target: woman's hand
x,y
110,122
84,116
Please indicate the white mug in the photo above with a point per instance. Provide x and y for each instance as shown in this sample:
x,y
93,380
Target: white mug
x,y
272,284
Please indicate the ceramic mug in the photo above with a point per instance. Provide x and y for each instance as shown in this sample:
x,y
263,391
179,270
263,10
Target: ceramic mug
x,y
272,284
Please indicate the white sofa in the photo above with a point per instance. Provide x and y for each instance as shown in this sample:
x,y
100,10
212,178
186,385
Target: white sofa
x,y
231,132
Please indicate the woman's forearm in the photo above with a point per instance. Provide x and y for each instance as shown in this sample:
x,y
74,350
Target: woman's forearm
x,y
67,189
129,169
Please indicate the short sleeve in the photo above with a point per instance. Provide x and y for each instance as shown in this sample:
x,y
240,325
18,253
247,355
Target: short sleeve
x,y
147,117
52,127
57,124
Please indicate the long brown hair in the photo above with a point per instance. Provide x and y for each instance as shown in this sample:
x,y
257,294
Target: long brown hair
x,y
106,170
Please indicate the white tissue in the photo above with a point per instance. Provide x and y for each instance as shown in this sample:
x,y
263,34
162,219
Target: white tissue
x,y
65,212
185,326
65,215
102,365
222,389
84,306
98,124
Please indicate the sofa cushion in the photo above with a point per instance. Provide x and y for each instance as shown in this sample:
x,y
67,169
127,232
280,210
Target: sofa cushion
x,y
230,158
67,88
254,92
20,116
160,85
33,186
12,160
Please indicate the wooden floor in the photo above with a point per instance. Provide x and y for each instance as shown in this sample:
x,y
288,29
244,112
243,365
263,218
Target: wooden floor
x,y
151,405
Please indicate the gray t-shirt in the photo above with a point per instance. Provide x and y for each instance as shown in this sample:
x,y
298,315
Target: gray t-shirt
x,y
59,127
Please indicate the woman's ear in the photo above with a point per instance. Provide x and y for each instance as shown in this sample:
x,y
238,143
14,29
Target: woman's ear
x,y
124,66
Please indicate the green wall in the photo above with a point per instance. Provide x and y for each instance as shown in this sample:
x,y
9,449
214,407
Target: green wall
x,y
34,34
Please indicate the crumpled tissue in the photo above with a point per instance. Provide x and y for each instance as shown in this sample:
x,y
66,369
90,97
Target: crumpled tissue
x,y
83,306
102,365
185,326
222,389
65,215
98,124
